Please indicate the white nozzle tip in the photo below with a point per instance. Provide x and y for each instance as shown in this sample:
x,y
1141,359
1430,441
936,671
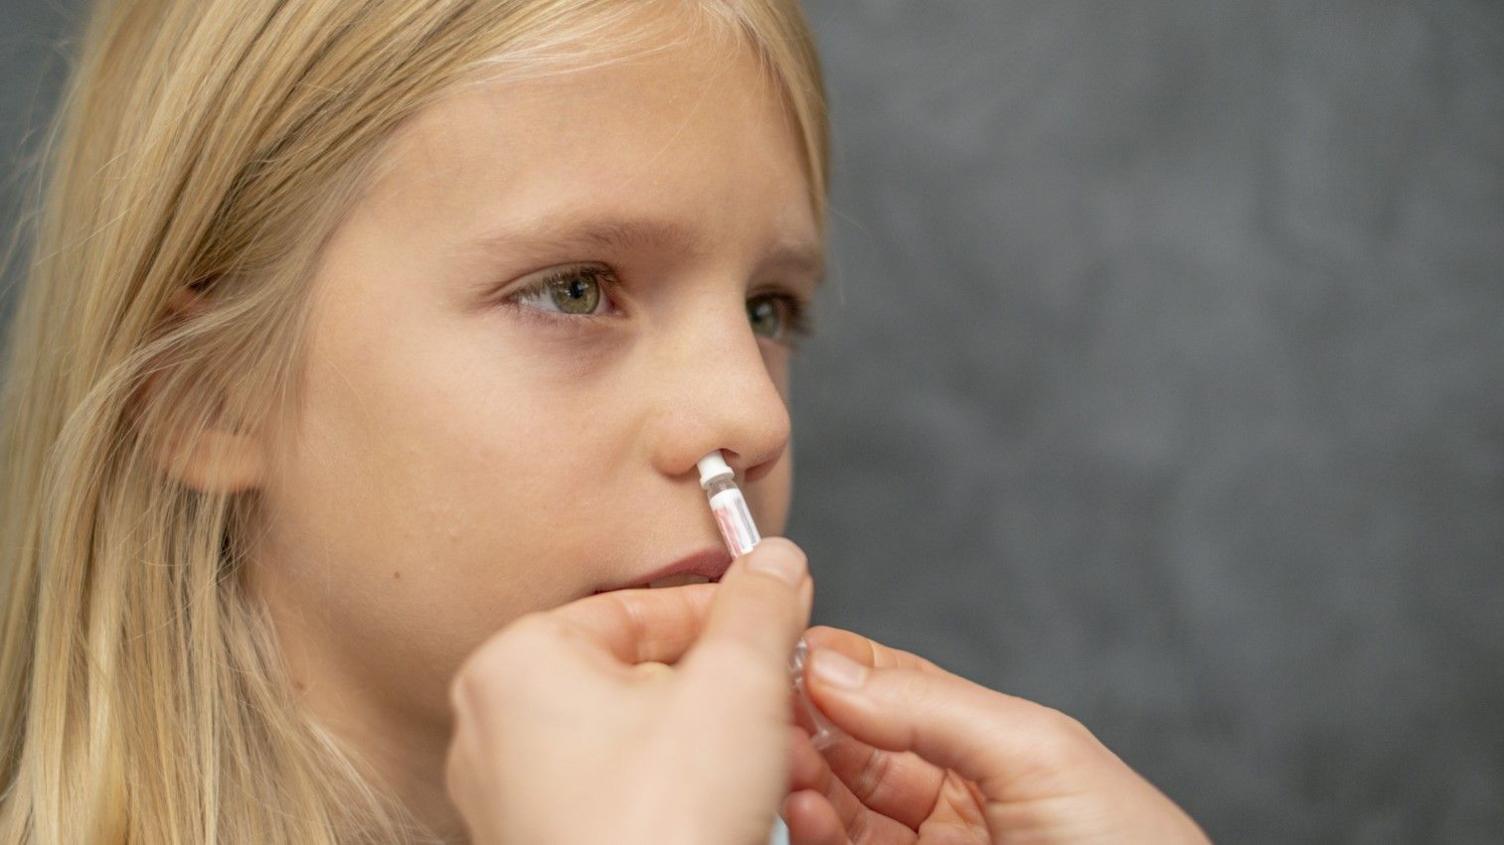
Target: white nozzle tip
x,y
713,466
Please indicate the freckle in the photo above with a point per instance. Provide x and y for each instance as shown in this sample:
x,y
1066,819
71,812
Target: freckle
x,y
299,686
397,575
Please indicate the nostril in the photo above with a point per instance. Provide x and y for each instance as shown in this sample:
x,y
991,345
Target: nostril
x,y
747,470
734,460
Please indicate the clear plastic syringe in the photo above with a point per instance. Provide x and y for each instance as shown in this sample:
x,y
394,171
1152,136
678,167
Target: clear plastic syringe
x,y
739,532
728,505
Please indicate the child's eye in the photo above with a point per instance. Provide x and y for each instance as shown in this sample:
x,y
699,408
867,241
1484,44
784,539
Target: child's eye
x,y
779,317
575,291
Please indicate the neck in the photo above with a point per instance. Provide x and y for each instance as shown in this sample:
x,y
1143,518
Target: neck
x,y
406,751
409,765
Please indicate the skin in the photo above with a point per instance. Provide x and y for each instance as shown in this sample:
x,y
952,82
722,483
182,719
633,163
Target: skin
x,y
458,461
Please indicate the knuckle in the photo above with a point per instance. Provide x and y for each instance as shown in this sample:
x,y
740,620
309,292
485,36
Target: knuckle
x,y
481,677
915,688
875,771
531,628
1063,740
459,693
472,687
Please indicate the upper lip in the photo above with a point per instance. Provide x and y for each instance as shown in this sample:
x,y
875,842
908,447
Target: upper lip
x,y
710,562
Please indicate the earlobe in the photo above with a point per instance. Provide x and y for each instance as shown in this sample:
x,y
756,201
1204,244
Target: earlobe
x,y
217,461
221,458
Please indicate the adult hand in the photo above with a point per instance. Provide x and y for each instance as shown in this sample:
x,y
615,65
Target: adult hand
x,y
932,757
570,726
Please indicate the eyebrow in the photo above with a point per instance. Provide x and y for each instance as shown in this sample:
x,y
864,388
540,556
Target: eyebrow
x,y
623,234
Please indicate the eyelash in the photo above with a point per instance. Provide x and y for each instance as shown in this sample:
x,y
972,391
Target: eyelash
x,y
798,324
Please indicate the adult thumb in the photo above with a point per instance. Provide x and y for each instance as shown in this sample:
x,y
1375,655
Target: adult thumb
x,y
761,608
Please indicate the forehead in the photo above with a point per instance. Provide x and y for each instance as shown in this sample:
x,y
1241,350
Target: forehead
x,y
681,125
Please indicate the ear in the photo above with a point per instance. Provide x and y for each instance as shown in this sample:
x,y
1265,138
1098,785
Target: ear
x,y
218,461
223,458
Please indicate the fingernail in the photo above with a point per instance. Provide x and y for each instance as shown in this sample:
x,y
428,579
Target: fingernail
x,y
786,566
838,670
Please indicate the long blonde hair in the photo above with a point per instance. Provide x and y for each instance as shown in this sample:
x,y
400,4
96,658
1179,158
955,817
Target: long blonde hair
x,y
213,145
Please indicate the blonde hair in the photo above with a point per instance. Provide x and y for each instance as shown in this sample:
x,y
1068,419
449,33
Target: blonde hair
x,y
212,145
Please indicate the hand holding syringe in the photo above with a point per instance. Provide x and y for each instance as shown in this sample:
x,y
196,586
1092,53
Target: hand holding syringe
x,y
619,702
740,533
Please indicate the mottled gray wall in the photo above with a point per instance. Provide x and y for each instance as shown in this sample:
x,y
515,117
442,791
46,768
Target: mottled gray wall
x,y
34,43
1161,379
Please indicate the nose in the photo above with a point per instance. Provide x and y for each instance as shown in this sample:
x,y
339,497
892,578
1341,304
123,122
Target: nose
x,y
718,393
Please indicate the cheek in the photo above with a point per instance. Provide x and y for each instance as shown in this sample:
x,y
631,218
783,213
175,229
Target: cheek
x,y
442,450
434,489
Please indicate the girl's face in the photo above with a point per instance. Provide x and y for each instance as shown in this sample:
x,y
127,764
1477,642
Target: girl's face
x,y
477,444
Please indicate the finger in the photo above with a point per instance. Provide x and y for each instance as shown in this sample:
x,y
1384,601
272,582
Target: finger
x,y
986,736
759,611
807,769
809,772
900,785
811,820
960,813
636,626
863,650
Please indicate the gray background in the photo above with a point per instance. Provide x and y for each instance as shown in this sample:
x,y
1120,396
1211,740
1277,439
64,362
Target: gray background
x,y
1161,379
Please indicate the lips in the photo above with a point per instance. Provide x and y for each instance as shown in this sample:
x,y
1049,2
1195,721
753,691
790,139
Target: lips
x,y
707,564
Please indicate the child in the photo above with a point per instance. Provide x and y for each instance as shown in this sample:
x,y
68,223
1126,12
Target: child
x,y
359,329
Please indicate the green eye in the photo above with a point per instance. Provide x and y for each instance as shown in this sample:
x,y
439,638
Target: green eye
x,y
767,319
575,293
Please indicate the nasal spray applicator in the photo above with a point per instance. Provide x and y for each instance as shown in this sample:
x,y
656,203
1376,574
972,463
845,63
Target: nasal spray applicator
x,y
740,533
